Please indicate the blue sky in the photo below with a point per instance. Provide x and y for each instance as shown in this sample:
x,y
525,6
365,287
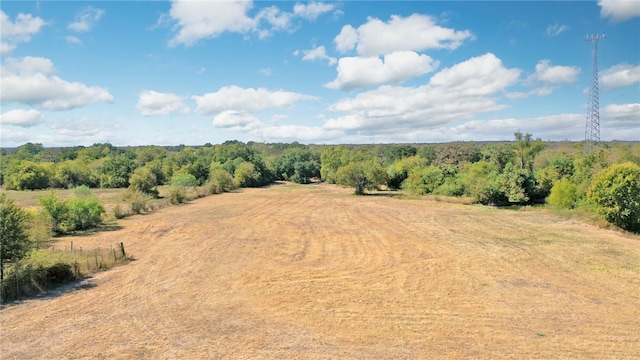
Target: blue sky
x,y
189,72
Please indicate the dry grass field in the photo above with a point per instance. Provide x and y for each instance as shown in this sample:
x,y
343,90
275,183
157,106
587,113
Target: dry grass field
x,y
312,272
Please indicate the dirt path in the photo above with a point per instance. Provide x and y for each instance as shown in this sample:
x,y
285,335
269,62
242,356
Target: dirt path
x,y
313,272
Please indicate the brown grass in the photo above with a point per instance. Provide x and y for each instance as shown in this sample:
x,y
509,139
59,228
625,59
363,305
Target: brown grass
x,y
312,272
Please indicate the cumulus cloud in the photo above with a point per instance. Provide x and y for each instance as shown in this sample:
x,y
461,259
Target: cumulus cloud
x,y
622,114
360,72
414,33
248,100
619,75
22,118
152,103
20,30
619,10
206,19
318,53
86,19
556,29
236,120
453,94
196,20
9,137
311,10
555,74
32,81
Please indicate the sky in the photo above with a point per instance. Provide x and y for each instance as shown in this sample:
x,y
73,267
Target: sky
x,y
334,72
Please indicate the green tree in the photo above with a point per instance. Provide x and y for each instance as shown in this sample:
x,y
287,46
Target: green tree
x,y
115,171
363,175
332,158
144,180
527,150
184,179
399,171
516,184
424,180
564,194
297,165
27,175
481,182
72,173
246,175
615,191
14,239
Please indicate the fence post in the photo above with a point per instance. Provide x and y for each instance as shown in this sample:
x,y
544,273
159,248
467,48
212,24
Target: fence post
x,y
124,255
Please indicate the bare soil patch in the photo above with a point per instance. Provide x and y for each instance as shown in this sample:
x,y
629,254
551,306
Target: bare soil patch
x,y
313,272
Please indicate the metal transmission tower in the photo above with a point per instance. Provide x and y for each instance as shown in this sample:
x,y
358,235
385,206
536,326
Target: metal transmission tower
x,y
592,130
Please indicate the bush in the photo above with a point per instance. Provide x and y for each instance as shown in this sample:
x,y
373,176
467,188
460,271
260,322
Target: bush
x,y
615,191
138,201
220,181
177,195
564,194
81,212
84,213
56,210
184,179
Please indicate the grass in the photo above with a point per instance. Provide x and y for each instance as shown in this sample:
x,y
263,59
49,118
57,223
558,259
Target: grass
x,y
304,272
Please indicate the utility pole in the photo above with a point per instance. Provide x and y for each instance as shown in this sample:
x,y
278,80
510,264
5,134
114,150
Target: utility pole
x,y
592,129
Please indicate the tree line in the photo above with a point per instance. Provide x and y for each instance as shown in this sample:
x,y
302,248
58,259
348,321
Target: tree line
x,y
522,171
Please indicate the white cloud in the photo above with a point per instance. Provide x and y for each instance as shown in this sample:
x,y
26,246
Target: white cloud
x,y
311,10
279,20
414,33
86,19
20,30
73,40
152,103
622,114
555,74
620,75
347,39
207,19
196,20
249,100
9,137
556,29
360,72
32,81
453,94
22,118
318,53
619,10
236,120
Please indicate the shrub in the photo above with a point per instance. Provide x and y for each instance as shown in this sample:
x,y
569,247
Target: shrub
x,y
184,179
56,210
177,195
84,213
615,191
120,213
564,194
138,201
220,181
246,175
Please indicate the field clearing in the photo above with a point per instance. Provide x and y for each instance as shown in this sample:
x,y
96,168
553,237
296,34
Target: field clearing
x,y
312,272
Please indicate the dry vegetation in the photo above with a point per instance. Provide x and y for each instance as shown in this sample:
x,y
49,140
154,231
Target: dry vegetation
x,y
313,272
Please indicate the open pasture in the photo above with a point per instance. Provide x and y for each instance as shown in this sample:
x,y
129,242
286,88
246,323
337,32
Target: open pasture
x,y
313,272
